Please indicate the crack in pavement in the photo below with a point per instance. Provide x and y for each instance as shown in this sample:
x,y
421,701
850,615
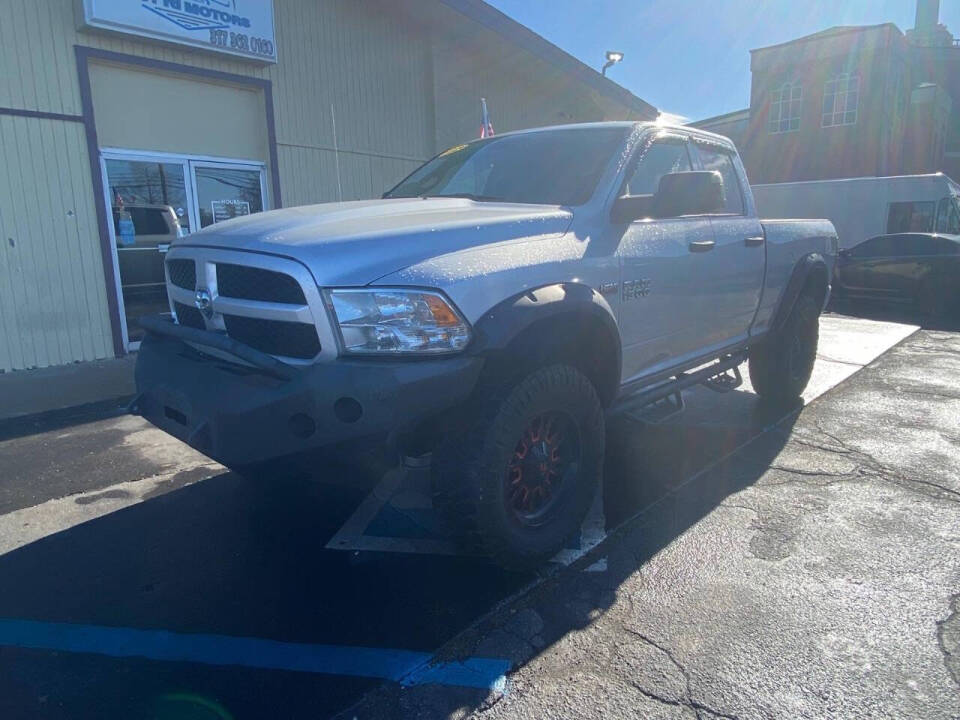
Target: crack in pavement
x,y
814,473
927,393
695,705
870,467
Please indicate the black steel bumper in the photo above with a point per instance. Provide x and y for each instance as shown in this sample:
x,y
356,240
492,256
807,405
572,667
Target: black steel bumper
x,y
241,414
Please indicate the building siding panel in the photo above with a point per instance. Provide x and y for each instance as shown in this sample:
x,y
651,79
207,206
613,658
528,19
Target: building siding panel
x,y
52,291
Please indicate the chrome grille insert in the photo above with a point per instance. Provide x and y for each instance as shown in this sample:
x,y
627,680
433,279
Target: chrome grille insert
x,y
268,303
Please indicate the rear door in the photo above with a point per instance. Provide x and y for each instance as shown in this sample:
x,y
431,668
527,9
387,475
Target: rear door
x,y
662,275
734,280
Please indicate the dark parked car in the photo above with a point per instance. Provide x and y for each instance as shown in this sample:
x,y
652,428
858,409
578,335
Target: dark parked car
x,y
920,268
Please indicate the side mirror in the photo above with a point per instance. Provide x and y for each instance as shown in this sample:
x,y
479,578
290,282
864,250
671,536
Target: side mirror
x,y
628,208
689,193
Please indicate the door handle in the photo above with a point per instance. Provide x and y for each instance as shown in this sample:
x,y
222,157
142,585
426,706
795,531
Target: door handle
x,y
701,245
753,240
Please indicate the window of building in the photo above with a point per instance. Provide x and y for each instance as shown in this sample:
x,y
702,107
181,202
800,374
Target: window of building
x,y
722,162
841,96
906,217
662,158
785,103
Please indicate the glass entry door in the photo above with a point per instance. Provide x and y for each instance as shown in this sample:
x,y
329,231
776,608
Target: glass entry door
x,y
149,206
226,191
155,198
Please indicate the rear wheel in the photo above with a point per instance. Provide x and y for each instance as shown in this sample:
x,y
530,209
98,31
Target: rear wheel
x,y
519,482
780,368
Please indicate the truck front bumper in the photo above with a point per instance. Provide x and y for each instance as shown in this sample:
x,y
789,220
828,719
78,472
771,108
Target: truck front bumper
x,y
239,414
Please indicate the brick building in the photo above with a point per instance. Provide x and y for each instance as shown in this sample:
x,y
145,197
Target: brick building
x,y
852,101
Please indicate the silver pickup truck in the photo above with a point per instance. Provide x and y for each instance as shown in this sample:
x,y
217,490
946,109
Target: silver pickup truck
x,y
492,309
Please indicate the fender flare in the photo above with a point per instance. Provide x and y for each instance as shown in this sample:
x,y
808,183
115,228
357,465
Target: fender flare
x,y
812,266
577,303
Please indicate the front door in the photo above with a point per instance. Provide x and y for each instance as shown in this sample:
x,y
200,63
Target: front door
x,y
155,198
663,268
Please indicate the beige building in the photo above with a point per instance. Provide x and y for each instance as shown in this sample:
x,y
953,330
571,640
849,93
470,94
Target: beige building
x,y
124,124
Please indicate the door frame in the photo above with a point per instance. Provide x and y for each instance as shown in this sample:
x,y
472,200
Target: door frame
x,y
189,163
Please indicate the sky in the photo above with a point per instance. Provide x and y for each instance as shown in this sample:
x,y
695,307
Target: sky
x,y
692,57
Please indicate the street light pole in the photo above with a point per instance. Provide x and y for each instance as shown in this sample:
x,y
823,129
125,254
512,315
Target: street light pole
x,y
613,58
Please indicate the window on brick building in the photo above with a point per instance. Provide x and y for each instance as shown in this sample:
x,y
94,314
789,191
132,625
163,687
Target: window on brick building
x,y
841,96
785,103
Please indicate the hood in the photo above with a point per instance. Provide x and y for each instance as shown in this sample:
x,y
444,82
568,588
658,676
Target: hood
x,y
354,243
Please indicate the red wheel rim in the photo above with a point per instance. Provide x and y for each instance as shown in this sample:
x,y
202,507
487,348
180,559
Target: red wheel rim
x,y
541,469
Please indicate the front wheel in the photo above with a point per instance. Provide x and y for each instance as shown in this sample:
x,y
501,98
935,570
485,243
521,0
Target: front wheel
x,y
519,482
780,368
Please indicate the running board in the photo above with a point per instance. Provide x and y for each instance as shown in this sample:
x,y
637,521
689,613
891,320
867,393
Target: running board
x,y
725,381
659,411
714,376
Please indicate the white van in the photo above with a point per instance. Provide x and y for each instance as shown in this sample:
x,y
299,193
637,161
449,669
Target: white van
x,y
862,208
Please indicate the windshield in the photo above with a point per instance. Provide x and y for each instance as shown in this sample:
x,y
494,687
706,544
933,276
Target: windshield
x,y
551,167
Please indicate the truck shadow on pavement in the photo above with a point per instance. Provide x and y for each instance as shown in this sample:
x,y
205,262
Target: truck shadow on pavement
x,y
233,557
660,480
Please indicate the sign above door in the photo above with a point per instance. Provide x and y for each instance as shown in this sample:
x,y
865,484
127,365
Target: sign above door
x,y
236,27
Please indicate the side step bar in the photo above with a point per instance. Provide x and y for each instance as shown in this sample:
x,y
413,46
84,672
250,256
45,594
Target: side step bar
x,y
713,376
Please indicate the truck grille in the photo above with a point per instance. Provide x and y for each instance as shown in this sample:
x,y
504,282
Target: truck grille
x,y
274,337
271,304
251,283
189,316
183,273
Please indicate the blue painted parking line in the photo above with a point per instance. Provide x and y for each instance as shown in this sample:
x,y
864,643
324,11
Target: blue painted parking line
x,y
407,667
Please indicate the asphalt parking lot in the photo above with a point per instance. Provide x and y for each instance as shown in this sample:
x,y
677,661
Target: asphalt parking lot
x,y
762,564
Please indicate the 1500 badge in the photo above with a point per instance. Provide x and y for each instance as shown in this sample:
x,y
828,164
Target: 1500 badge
x,y
633,289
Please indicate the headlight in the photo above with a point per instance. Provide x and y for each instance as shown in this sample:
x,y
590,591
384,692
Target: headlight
x,y
397,321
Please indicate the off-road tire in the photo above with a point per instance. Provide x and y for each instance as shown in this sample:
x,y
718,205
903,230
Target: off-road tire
x,y
780,368
471,489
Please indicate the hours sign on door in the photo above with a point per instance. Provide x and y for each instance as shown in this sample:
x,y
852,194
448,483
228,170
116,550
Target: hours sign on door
x,y
238,27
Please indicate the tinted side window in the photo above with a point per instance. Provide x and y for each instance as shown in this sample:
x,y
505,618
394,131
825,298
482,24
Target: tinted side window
x,y
661,158
722,162
919,245
948,221
941,246
905,217
874,247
